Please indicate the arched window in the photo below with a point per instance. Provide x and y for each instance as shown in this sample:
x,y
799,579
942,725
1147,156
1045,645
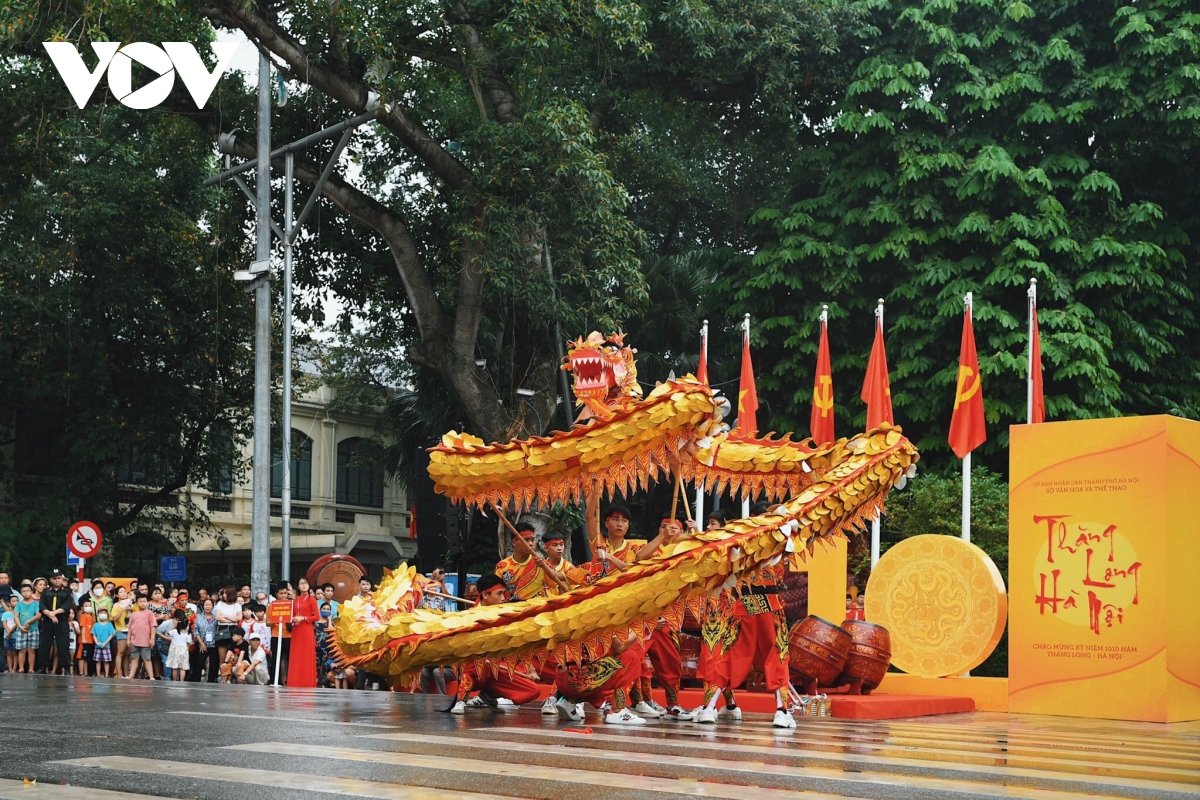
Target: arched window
x,y
359,474
302,448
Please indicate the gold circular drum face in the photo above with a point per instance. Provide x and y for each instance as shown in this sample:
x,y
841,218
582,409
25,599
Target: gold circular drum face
x,y
942,600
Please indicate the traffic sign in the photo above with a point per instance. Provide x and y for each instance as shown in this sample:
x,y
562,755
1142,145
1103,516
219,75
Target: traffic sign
x,y
83,539
279,612
74,560
173,568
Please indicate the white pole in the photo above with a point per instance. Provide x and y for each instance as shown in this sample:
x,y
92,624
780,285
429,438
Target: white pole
x,y
699,515
875,522
746,338
1032,306
966,467
285,560
278,650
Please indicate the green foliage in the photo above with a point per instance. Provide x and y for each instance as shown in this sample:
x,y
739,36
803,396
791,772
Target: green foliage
x,y
933,504
980,144
121,333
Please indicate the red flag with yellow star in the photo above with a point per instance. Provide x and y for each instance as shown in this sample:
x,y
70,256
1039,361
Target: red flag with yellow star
x,y
967,427
821,421
747,421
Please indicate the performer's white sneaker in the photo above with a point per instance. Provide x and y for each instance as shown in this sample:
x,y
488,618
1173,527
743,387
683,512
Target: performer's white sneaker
x,y
706,716
730,714
605,707
784,719
676,712
647,710
475,702
659,708
567,710
624,717
550,706
505,703
458,708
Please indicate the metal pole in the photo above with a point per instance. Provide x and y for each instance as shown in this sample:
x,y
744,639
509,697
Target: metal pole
x,y
299,144
745,497
260,542
285,571
966,468
699,485
1031,307
875,535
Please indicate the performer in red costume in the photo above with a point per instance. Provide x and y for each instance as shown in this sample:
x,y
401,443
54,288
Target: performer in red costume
x,y
492,686
663,646
758,631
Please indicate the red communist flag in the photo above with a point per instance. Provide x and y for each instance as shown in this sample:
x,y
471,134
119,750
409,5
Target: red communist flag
x,y
1039,400
821,422
967,428
702,368
747,421
877,390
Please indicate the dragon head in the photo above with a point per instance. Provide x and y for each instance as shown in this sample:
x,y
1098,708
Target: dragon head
x,y
602,369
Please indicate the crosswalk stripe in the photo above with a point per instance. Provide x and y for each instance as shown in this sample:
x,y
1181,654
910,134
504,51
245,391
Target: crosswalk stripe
x,y
821,735
310,720
510,771
849,760
1015,735
757,770
17,790
268,778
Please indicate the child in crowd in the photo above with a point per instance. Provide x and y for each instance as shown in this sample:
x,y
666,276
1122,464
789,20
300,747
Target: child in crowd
x,y
8,624
87,643
103,634
177,654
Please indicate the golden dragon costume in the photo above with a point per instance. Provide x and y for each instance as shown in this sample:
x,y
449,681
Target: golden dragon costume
x,y
622,442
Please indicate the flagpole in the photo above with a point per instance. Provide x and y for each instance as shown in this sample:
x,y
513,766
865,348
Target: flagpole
x,y
1031,305
746,339
875,522
699,516
966,462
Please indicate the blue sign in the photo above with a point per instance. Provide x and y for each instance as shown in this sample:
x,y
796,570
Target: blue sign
x,y
72,559
174,568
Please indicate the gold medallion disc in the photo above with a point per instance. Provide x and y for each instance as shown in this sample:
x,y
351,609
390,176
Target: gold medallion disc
x,y
942,600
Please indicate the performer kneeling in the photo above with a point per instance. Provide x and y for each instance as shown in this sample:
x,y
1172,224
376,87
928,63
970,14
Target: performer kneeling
x,y
514,689
601,681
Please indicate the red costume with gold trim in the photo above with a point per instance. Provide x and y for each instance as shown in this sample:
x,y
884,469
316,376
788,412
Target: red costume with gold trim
x,y
524,579
758,634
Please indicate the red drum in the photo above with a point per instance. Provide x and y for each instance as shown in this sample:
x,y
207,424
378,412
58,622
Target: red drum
x,y
689,654
817,650
869,657
341,570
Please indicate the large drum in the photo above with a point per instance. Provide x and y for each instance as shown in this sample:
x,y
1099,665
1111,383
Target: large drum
x,y
341,570
817,650
869,657
689,654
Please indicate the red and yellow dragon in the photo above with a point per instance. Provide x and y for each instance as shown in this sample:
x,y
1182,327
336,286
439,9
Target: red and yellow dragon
x,y
622,442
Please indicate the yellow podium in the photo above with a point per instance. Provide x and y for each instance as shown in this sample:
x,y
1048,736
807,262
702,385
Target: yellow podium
x,y
1104,551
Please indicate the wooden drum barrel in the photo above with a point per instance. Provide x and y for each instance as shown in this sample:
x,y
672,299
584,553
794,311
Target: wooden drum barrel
x,y
817,650
869,657
689,654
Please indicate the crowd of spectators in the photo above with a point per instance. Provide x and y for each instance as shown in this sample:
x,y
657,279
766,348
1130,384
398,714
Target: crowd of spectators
x,y
147,631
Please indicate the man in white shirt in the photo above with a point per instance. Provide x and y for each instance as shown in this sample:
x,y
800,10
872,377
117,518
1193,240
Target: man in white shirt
x,y
253,668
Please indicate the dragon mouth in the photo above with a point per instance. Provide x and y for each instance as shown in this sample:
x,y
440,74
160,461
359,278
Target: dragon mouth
x,y
592,372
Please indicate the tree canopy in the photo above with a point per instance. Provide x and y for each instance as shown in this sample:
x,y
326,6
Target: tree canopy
x,y
981,143
122,336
